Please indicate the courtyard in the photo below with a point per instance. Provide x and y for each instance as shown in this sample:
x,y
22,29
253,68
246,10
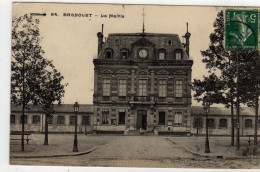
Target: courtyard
x,y
133,151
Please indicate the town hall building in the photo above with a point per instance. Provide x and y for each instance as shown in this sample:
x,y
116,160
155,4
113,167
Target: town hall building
x,y
142,83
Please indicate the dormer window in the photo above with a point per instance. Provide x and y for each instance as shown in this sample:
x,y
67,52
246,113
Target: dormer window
x,y
178,54
124,54
161,54
108,53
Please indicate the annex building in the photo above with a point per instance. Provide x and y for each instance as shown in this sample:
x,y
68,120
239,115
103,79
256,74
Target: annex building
x,y
142,81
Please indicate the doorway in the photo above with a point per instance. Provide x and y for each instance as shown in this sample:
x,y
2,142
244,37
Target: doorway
x,y
142,119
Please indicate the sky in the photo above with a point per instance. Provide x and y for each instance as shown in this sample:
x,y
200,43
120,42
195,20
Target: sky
x,y
71,42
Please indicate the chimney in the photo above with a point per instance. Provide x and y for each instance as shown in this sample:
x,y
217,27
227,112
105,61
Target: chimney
x,y
187,43
100,39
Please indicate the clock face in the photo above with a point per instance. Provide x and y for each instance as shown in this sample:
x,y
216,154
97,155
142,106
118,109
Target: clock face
x,y
142,53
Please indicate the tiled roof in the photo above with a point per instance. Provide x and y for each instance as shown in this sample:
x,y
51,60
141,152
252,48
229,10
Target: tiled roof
x,y
58,108
222,111
127,40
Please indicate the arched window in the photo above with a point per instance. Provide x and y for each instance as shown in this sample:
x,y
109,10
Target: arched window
x,y
161,54
124,53
178,54
108,53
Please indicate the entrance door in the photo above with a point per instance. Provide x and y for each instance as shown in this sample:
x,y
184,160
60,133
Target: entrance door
x,y
141,119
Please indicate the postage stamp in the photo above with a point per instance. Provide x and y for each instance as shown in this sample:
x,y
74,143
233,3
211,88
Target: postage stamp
x,y
241,29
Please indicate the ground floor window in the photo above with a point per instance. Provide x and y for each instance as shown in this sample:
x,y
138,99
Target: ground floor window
x,y
223,123
60,120
211,123
85,120
121,118
248,123
36,119
50,119
105,116
72,120
198,122
161,118
12,119
25,119
178,118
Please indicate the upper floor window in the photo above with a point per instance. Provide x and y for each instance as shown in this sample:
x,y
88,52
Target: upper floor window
x,y
117,42
72,120
161,54
108,53
124,54
12,119
178,54
142,87
122,87
106,87
50,120
162,87
178,88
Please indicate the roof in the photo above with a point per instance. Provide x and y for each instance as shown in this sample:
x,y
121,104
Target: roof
x,y
119,41
87,108
196,110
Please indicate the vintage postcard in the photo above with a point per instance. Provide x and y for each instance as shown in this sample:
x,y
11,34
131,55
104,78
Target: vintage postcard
x,y
114,85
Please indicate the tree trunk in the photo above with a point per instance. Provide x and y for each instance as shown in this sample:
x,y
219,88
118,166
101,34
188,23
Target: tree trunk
x,y
46,130
232,124
256,118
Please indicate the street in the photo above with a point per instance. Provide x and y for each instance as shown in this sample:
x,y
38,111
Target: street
x,y
142,151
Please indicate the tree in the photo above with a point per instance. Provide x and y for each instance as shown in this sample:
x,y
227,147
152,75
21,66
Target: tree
x,y
49,91
217,59
27,63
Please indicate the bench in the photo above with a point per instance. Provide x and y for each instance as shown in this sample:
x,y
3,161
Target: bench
x,y
20,134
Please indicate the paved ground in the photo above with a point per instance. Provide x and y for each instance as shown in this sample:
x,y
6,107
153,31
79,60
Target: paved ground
x,y
144,151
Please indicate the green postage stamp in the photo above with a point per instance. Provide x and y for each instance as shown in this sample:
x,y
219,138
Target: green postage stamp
x,y
241,29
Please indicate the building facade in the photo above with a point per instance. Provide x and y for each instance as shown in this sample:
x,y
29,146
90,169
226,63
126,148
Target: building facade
x,y
62,121
142,82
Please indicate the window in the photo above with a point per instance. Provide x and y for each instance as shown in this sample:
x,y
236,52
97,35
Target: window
x,y
109,53
142,87
61,120
162,87
72,120
258,123
117,42
170,42
248,123
105,115
12,119
50,120
25,119
161,118
178,88
178,118
122,87
121,118
124,54
85,120
178,55
106,87
198,122
36,119
211,123
223,123
161,54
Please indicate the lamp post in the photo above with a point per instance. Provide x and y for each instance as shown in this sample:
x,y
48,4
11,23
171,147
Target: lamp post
x,y
76,110
206,109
